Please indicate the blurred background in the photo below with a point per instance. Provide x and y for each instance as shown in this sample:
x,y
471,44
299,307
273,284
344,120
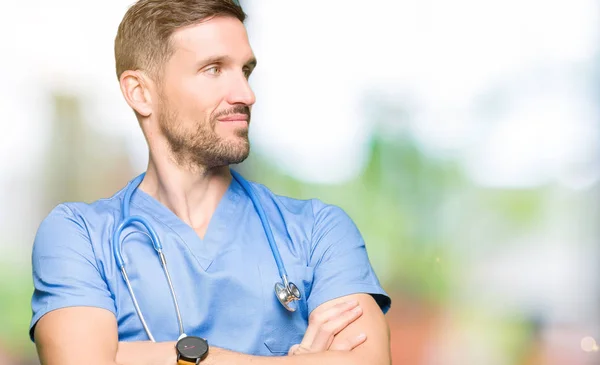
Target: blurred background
x,y
462,137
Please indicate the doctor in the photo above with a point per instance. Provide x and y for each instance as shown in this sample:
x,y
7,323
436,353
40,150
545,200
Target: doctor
x,y
183,67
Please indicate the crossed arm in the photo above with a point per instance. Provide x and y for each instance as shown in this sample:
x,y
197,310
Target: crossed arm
x,y
88,335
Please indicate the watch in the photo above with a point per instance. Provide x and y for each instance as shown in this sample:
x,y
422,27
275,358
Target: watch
x,y
191,350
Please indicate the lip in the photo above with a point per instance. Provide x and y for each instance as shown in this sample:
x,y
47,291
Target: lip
x,y
234,118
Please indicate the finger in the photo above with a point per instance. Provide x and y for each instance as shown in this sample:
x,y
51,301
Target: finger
x,y
317,320
349,343
298,350
293,349
327,332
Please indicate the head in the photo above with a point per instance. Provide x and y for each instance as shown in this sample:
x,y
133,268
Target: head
x,y
183,66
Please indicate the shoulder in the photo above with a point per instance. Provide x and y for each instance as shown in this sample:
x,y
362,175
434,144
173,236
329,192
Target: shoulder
x,y
316,207
316,215
286,202
68,222
80,212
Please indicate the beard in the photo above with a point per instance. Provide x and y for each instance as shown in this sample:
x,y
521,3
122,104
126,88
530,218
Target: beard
x,y
202,147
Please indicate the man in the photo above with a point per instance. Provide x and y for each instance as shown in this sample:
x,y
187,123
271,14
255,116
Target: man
x,y
183,67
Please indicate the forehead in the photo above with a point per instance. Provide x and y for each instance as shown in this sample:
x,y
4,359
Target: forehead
x,y
218,36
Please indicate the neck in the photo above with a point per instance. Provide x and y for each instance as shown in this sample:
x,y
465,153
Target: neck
x,y
192,194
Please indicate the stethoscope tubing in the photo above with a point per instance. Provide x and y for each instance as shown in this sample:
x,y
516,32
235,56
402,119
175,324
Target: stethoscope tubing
x,y
265,223
126,220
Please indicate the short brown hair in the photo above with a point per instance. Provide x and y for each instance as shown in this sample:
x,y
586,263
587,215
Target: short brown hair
x,y
143,41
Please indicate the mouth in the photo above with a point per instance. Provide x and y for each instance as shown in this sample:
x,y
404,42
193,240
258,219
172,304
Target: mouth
x,y
234,118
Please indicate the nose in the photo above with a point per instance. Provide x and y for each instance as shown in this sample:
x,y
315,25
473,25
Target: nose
x,y
241,92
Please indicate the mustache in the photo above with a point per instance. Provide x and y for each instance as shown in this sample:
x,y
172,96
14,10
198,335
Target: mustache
x,y
238,109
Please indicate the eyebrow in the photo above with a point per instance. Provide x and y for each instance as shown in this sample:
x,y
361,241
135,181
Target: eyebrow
x,y
225,59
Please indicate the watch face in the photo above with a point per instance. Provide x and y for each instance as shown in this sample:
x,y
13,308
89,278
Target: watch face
x,y
192,348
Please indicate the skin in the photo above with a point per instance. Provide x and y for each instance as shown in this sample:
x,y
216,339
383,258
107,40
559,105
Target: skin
x,y
196,123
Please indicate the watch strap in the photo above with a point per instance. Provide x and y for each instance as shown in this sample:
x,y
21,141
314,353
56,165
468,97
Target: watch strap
x,y
185,362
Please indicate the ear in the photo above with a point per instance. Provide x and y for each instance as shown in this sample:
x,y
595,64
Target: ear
x,y
134,86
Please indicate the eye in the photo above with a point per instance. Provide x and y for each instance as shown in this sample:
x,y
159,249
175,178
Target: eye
x,y
213,70
247,72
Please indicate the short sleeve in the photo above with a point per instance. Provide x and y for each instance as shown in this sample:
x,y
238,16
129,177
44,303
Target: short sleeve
x,y
340,261
64,268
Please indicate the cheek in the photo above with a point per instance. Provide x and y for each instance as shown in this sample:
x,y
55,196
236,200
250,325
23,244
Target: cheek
x,y
192,93
198,101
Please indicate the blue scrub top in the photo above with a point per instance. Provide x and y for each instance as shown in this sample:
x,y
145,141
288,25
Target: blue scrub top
x,y
224,283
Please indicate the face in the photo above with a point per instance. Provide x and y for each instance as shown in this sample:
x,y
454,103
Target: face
x,y
204,97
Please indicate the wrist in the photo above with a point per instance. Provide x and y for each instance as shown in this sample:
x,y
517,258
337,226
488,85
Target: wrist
x,y
147,353
215,356
172,358
171,354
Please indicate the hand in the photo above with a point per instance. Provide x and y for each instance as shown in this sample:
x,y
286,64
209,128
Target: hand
x,y
323,327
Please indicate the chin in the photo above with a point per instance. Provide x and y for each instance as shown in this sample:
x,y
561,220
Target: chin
x,y
230,159
239,141
241,154
236,152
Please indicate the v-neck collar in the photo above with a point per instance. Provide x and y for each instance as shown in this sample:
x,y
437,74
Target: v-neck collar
x,y
216,236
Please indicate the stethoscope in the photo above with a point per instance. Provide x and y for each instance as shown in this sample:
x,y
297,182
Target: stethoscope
x,y
286,291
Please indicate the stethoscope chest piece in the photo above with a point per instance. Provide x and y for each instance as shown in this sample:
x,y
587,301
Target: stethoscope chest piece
x,y
287,295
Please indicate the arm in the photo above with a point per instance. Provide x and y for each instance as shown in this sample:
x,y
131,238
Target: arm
x,y
372,323
73,311
334,326
319,337
374,350
75,322
77,335
89,335
342,273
